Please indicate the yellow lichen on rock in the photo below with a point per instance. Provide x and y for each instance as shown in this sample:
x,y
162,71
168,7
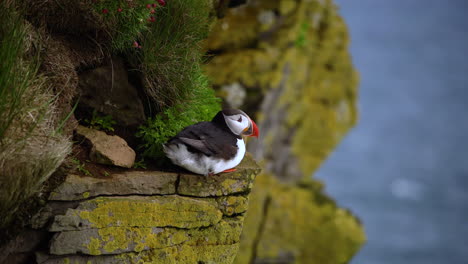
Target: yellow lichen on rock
x,y
233,204
202,226
94,246
171,210
292,60
219,254
297,224
302,56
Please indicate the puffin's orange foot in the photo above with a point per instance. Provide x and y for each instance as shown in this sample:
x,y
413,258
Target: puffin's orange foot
x,y
230,170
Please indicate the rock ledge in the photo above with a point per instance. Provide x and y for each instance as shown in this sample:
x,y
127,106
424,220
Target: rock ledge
x,y
149,216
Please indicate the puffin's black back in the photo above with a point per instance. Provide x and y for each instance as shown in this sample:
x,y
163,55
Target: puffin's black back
x,y
214,138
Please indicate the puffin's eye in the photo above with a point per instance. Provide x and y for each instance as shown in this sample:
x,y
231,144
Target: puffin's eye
x,y
240,119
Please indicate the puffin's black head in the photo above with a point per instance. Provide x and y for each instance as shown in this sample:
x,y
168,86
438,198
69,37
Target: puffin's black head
x,y
238,122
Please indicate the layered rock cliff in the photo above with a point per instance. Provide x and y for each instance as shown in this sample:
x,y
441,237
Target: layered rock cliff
x,y
291,61
286,61
140,216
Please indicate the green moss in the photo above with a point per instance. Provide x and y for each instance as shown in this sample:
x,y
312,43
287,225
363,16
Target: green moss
x,y
170,60
85,195
100,122
158,130
301,40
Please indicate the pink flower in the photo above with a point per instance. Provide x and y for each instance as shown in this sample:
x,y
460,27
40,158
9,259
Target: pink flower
x,y
148,6
151,19
162,2
152,11
105,11
136,44
119,10
153,5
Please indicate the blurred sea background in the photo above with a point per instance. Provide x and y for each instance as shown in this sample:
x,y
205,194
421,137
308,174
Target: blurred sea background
x,y
404,168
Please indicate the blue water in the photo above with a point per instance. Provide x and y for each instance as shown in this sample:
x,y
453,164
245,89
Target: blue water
x,y
404,168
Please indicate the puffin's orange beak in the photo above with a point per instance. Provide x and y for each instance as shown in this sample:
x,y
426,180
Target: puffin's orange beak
x,y
255,132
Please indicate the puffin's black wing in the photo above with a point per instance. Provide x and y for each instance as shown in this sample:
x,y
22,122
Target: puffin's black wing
x,y
200,145
209,139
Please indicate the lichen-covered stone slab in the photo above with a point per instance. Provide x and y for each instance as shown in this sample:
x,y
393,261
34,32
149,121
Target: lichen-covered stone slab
x,y
297,224
208,254
126,183
222,184
114,240
233,205
139,211
165,228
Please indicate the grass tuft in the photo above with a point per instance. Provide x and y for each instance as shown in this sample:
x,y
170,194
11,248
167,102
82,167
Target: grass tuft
x,y
30,148
170,52
171,59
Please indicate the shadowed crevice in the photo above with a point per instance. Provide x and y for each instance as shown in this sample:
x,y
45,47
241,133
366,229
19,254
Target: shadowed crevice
x,y
261,228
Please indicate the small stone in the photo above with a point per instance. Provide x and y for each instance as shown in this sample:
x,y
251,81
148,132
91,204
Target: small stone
x,y
108,150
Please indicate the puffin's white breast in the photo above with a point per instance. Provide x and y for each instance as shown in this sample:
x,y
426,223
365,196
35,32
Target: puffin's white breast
x,y
205,165
219,165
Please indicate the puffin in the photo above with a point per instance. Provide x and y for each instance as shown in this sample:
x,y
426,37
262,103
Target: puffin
x,y
212,147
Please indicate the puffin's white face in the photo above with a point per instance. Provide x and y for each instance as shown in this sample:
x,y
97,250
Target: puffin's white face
x,y
238,123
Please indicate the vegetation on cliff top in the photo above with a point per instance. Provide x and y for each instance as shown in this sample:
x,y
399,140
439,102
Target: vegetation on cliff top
x,y
167,124
171,54
126,20
167,59
31,147
171,59
162,43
